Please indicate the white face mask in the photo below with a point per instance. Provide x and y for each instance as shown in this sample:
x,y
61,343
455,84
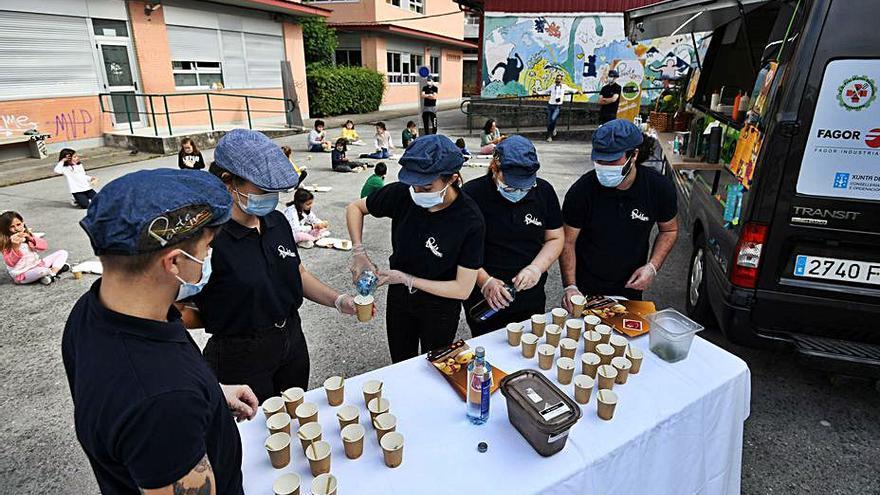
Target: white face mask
x,y
428,199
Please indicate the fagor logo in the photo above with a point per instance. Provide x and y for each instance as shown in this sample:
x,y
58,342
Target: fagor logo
x,y
872,139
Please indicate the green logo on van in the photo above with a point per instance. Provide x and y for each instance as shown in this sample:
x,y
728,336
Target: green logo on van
x,y
857,93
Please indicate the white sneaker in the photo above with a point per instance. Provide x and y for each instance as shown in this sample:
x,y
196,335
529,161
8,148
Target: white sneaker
x,y
306,244
549,139
73,202
47,280
554,132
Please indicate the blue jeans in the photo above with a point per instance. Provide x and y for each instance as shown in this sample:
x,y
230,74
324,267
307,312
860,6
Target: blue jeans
x,y
378,155
316,148
552,117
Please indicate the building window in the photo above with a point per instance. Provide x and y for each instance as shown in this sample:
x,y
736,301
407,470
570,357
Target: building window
x,y
109,27
417,6
396,3
393,71
416,61
435,68
348,57
196,74
403,68
471,19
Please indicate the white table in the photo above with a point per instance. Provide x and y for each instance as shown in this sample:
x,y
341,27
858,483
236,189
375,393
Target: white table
x,y
677,430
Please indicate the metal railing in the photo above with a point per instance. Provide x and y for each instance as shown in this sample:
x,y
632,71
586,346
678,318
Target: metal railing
x,y
149,99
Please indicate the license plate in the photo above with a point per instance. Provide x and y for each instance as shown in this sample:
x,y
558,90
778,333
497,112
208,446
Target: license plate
x,y
836,269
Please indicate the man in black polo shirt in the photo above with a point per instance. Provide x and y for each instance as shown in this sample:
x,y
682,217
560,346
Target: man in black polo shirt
x,y
429,106
609,98
148,411
609,214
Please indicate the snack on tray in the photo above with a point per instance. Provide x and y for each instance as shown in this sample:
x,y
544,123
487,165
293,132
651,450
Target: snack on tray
x,y
452,361
627,317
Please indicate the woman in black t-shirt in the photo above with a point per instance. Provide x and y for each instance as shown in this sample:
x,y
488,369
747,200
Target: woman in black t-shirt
x,y
524,235
437,246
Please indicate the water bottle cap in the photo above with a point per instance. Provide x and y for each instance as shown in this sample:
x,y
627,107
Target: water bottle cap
x,y
480,352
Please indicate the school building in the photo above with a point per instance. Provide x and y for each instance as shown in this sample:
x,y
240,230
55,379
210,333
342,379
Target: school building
x,y
152,63
396,38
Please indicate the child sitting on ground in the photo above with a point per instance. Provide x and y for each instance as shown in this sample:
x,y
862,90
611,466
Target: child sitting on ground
x,y
189,157
351,135
307,227
317,138
20,247
463,148
340,162
410,133
79,183
375,181
384,145
300,171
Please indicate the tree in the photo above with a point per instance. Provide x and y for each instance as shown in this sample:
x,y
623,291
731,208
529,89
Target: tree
x,y
320,41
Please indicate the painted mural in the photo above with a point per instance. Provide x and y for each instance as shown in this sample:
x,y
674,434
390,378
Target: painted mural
x,y
523,54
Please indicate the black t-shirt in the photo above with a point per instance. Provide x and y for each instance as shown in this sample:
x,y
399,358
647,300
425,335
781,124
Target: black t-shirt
x,y
609,111
615,227
146,406
430,245
190,161
255,281
427,102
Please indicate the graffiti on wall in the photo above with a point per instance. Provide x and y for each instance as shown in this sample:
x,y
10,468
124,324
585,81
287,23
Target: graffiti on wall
x,y
523,54
11,124
73,124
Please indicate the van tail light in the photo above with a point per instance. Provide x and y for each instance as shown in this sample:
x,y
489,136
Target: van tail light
x,y
748,255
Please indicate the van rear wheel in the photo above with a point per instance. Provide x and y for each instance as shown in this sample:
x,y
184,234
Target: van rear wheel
x,y
697,299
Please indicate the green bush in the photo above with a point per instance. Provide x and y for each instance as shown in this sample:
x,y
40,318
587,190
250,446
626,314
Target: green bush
x,y
341,90
320,41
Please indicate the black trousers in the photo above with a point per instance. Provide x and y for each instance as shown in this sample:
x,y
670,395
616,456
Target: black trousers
x,y
429,119
526,304
269,361
84,198
420,319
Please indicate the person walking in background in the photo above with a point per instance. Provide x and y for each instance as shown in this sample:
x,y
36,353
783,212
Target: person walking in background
x,y
490,136
189,157
79,183
307,227
318,138
375,181
20,247
351,135
609,99
429,106
300,171
409,134
557,94
384,145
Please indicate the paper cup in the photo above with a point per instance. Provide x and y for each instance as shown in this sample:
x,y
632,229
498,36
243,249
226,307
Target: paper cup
x,y
583,388
347,415
635,356
353,440
278,423
529,345
605,352
564,370
590,322
384,423
538,322
604,331
514,334
568,347
607,402
605,376
546,353
287,484
577,304
622,365
278,447
364,307
77,275
618,342
293,397
306,412
378,406
559,316
372,389
574,329
335,388
392,449
318,455
590,363
308,433
325,484
552,334
272,406
591,340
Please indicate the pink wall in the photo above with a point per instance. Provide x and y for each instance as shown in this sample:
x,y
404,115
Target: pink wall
x,y
66,119
294,51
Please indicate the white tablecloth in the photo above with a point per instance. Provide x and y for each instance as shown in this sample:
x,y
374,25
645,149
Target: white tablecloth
x,y
677,430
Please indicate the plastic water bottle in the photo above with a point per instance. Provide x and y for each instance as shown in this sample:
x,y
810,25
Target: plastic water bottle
x,y
366,283
479,387
482,311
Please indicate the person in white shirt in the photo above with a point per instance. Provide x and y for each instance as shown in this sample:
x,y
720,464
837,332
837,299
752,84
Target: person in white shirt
x,y
557,94
384,145
80,184
307,227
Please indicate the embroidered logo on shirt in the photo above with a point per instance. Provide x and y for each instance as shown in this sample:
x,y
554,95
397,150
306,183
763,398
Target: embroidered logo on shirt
x,y
432,245
637,215
530,220
283,252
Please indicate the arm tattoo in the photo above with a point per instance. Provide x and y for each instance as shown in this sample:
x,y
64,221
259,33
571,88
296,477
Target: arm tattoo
x,y
203,489
203,465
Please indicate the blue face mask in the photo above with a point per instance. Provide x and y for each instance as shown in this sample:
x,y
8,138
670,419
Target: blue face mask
x,y
611,175
189,289
258,204
511,194
428,199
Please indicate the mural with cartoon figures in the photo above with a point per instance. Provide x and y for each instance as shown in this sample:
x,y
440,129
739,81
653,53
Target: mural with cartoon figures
x,y
523,54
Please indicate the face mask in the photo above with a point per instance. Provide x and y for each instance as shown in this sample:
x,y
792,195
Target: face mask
x,y
611,175
188,289
511,194
428,199
258,204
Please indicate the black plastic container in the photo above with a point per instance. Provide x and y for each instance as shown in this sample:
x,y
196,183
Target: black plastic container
x,y
541,412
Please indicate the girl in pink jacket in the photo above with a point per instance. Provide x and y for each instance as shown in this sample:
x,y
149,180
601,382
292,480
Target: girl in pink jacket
x,y
20,248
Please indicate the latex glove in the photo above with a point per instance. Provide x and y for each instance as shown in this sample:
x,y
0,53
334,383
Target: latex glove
x,y
641,278
345,305
566,298
496,294
393,277
241,401
527,278
360,262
